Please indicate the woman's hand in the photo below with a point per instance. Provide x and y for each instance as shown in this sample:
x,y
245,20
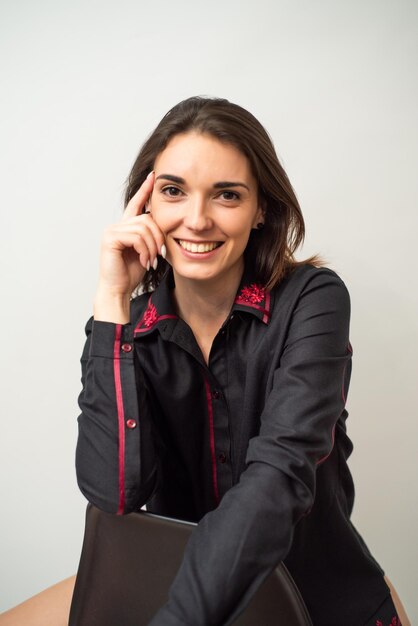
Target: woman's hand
x,y
128,249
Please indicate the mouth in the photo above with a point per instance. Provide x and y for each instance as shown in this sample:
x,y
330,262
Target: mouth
x,y
199,247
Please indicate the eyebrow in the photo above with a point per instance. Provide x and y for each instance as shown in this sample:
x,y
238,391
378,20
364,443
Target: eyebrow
x,y
174,179
223,184
227,183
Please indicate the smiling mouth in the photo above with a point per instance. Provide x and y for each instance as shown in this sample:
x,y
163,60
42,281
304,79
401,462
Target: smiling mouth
x,y
206,246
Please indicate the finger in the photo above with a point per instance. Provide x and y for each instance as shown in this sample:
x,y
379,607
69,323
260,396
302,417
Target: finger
x,y
138,200
141,248
127,241
158,234
154,228
143,238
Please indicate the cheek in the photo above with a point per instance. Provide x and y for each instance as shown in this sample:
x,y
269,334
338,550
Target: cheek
x,y
239,228
160,216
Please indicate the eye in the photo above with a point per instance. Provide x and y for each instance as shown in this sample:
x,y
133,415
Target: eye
x,y
171,191
229,195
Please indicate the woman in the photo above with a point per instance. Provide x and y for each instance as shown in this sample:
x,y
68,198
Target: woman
x,y
218,395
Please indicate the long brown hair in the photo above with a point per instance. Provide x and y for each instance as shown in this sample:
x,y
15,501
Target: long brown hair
x,y
270,250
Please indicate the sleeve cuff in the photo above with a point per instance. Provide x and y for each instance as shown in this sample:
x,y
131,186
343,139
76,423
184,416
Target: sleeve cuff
x,y
107,338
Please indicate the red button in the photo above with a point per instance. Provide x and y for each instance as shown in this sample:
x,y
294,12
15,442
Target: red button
x,y
215,394
131,423
222,458
126,347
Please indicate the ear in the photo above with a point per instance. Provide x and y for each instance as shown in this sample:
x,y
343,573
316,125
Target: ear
x,y
259,217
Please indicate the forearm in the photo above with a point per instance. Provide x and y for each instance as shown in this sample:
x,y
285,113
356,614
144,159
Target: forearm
x,y
234,548
115,460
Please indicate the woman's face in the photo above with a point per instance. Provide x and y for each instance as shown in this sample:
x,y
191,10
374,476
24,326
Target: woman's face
x,y
205,201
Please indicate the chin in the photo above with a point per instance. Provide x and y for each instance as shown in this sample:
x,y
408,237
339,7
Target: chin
x,y
200,275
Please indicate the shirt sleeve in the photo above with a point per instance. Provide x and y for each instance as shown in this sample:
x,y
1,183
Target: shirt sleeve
x,y
235,546
115,459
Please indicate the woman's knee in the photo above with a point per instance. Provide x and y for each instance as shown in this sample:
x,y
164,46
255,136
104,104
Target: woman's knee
x,y
51,606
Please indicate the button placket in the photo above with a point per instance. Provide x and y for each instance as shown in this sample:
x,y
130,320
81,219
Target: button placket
x,y
222,441
219,380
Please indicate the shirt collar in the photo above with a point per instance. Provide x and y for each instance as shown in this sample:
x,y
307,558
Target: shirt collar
x,y
160,307
252,298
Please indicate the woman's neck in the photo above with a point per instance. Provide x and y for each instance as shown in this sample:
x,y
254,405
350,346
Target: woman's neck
x,y
206,303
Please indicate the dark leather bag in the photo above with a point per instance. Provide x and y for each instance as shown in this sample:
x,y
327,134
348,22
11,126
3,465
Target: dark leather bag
x,y
128,563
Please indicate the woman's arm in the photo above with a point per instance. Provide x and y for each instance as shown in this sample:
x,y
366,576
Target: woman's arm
x,y
115,458
236,546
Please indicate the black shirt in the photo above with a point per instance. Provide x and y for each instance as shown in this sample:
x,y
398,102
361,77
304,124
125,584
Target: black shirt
x,y
253,445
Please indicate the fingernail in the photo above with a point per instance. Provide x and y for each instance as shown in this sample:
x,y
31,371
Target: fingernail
x,y
163,251
148,266
152,171
155,264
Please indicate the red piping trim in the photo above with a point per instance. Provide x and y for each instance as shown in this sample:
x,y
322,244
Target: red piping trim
x,y
161,317
121,417
267,313
212,441
344,400
342,387
321,460
254,306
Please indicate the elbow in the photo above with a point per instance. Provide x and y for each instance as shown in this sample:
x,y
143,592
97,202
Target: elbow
x,y
97,497
97,482
112,492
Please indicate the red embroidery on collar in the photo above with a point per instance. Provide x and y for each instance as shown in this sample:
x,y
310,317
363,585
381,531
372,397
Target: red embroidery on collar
x,y
150,315
252,294
395,622
257,297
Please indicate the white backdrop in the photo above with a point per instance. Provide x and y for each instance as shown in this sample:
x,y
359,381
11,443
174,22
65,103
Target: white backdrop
x,y
84,83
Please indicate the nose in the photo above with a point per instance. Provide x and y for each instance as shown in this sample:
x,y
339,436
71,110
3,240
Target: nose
x,y
197,216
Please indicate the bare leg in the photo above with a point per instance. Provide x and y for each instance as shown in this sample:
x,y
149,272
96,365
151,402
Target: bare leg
x,y
48,608
397,602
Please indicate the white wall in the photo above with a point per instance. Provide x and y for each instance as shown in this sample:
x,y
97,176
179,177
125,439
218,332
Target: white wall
x,y
84,83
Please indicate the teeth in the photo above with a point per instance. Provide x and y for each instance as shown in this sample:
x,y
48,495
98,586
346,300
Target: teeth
x,y
198,247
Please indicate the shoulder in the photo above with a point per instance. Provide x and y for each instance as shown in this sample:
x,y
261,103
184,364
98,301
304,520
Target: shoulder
x,y
307,283
302,275
305,276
